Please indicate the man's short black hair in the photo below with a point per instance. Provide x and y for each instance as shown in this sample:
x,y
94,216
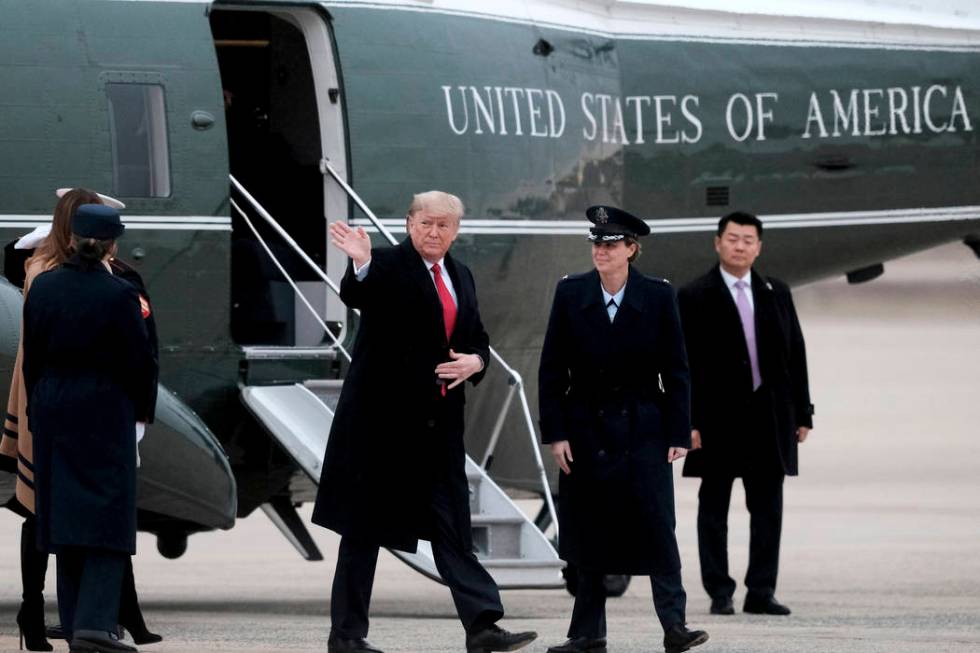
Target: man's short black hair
x,y
740,217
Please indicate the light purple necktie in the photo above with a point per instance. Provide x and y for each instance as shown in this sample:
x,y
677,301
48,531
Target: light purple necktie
x,y
748,328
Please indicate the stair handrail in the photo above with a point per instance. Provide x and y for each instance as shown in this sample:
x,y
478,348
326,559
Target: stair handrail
x,y
514,377
282,270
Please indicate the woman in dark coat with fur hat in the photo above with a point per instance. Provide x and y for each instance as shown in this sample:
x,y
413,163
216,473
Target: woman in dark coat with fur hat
x,y
89,370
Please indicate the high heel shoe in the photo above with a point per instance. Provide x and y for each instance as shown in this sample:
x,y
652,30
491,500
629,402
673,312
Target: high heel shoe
x,y
141,636
130,614
30,624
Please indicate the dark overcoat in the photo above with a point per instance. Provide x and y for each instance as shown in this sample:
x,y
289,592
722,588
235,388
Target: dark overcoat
x,y
89,371
735,442
125,271
619,394
394,435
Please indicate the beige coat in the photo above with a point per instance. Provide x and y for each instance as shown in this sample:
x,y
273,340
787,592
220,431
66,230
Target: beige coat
x,y
17,441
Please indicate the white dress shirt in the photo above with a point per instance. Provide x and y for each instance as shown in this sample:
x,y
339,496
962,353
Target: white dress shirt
x,y
617,298
731,279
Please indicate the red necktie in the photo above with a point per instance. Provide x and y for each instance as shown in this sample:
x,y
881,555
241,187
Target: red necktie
x,y
448,309
448,305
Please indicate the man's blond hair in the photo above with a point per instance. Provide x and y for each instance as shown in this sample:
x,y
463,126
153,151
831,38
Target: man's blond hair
x,y
438,202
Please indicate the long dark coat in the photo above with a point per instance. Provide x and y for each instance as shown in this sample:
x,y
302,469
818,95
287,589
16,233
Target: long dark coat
x,y
393,434
733,441
89,370
17,442
600,388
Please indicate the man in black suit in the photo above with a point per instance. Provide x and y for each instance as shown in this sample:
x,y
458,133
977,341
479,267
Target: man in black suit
x,y
750,406
393,472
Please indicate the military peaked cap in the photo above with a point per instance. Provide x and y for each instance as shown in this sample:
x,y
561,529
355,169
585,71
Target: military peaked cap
x,y
611,224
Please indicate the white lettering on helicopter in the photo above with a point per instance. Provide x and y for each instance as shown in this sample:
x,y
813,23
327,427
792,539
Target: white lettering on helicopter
x,y
672,119
891,111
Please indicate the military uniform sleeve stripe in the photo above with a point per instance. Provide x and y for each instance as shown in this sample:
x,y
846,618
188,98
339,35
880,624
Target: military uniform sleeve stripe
x,y
10,433
12,418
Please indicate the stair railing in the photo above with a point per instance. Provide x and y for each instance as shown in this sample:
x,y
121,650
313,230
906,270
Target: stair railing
x,y
282,270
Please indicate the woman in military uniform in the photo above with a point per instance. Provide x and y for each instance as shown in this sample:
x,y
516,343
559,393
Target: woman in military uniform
x,y
614,394
89,371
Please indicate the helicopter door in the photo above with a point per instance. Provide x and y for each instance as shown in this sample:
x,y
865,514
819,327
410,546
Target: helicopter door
x,y
281,104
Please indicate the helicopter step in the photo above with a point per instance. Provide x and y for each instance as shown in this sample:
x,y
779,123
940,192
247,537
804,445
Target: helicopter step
x,y
508,544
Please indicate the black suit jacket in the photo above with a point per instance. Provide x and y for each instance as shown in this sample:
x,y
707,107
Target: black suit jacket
x,y
734,440
394,434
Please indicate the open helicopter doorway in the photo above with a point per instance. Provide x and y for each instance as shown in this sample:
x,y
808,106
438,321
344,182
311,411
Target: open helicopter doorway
x,y
283,117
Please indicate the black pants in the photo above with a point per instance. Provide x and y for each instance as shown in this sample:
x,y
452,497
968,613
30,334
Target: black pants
x,y
89,584
764,500
474,591
589,613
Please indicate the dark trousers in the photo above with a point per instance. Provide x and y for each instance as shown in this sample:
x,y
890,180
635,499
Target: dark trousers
x,y
89,584
764,500
473,590
589,613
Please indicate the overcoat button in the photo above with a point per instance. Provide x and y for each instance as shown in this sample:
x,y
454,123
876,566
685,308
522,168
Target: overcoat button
x,y
601,412
602,452
625,412
431,423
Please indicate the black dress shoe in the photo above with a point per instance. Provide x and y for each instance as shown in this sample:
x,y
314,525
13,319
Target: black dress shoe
x,y
97,641
581,645
55,632
767,605
678,638
355,645
496,638
722,605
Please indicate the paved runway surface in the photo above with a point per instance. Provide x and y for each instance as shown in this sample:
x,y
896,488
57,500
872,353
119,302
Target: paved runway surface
x,y
881,544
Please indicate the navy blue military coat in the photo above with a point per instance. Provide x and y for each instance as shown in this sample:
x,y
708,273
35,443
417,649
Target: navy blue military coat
x,y
619,393
393,434
89,370
735,442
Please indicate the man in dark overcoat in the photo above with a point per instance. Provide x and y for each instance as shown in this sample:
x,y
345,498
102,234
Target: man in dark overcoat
x,y
614,403
394,466
750,408
90,373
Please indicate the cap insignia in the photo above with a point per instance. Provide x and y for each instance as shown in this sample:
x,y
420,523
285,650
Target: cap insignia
x,y
601,217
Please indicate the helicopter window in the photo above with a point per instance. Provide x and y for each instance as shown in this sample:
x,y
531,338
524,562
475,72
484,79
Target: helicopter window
x,y
138,128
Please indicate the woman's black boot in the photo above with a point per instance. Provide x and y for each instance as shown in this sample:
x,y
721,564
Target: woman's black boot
x,y
130,615
33,568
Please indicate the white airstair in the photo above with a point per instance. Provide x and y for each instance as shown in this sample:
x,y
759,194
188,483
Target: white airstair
x,y
506,542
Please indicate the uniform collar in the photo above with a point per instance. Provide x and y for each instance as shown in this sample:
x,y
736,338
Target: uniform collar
x,y
618,297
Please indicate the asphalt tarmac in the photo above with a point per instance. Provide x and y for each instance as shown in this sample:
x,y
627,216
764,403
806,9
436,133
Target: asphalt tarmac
x,y
881,535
